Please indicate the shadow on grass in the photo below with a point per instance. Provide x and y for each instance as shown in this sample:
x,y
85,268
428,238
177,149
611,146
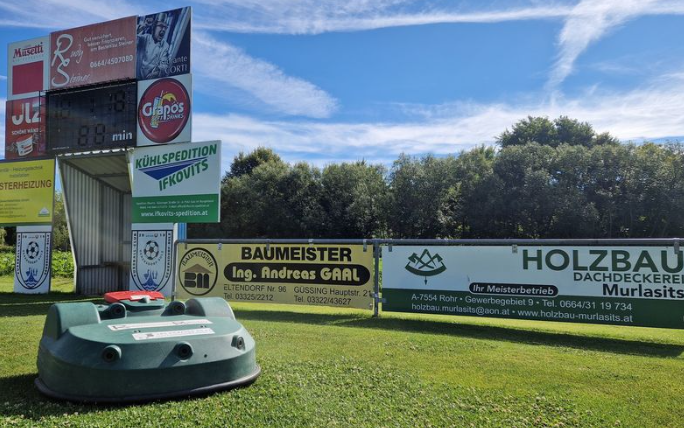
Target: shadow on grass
x,y
22,305
20,398
508,334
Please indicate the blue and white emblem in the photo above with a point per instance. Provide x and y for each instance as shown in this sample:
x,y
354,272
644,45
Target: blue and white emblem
x,y
32,266
151,261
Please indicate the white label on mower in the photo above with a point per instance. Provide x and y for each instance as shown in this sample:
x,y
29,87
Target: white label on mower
x,y
118,327
173,333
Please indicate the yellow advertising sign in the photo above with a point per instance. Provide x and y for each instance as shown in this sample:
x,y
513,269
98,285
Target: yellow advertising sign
x,y
27,190
302,274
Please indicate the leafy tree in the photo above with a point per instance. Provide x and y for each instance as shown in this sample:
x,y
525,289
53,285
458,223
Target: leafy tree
x,y
549,179
607,170
417,188
237,198
245,164
60,231
653,198
467,210
527,198
352,198
538,130
275,200
563,130
574,215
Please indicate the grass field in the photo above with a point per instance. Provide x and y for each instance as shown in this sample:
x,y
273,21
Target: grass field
x,y
325,366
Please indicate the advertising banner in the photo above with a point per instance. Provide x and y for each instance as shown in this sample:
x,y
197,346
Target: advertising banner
x,y
27,68
24,128
302,274
93,54
164,110
26,192
152,257
33,260
638,286
164,44
177,183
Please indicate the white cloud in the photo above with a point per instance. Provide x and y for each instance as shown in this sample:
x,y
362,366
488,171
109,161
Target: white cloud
x,y
226,64
591,20
3,77
61,13
216,64
650,112
315,17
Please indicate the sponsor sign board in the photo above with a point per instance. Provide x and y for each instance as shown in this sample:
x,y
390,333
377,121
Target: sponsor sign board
x,y
26,192
177,183
163,44
93,54
27,68
304,274
92,119
638,286
164,110
24,128
32,261
151,261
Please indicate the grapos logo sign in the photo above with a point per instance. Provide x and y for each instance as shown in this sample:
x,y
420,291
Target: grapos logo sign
x,y
426,264
151,266
164,110
33,264
198,272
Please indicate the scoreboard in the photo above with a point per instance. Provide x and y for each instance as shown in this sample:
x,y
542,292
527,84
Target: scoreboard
x,y
92,119
80,89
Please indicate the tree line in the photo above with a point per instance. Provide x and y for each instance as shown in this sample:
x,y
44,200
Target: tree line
x,y
544,179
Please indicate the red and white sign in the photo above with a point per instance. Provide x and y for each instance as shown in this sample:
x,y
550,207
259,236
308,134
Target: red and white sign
x,y
24,128
93,54
27,68
164,110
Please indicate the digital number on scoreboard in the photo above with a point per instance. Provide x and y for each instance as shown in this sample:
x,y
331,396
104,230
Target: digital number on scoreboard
x,y
92,119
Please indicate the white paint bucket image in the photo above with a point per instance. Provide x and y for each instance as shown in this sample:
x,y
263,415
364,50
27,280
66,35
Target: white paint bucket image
x,y
25,146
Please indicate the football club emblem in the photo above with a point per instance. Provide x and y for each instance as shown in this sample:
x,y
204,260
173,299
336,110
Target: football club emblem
x,y
32,267
151,262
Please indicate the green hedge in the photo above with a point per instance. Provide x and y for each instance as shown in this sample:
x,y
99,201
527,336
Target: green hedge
x,y
62,264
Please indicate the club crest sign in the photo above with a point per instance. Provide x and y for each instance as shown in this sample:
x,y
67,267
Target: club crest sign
x,y
32,266
151,261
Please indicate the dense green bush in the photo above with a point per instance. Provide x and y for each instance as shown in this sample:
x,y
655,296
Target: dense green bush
x,y
574,184
6,263
62,264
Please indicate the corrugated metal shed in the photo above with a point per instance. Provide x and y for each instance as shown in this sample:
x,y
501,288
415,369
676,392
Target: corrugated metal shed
x,y
97,199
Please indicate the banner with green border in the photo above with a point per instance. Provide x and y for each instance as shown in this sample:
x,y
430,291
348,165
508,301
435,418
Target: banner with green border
x,y
185,209
636,286
177,183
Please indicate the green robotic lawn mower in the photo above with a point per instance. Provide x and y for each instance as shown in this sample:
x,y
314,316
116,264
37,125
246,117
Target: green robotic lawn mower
x,y
138,348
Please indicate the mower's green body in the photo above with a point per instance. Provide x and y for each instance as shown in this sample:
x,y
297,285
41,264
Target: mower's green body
x,y
143,350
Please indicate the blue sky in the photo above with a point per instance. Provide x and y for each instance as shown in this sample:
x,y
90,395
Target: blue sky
x,y
328,81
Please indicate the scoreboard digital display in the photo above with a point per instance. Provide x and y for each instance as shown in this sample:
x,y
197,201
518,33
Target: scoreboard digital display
x,y
92,119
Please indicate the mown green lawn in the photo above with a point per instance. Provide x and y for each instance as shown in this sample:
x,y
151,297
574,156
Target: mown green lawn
x,y
326,366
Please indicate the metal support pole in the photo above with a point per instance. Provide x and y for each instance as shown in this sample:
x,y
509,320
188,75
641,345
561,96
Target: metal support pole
x,y
376,281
